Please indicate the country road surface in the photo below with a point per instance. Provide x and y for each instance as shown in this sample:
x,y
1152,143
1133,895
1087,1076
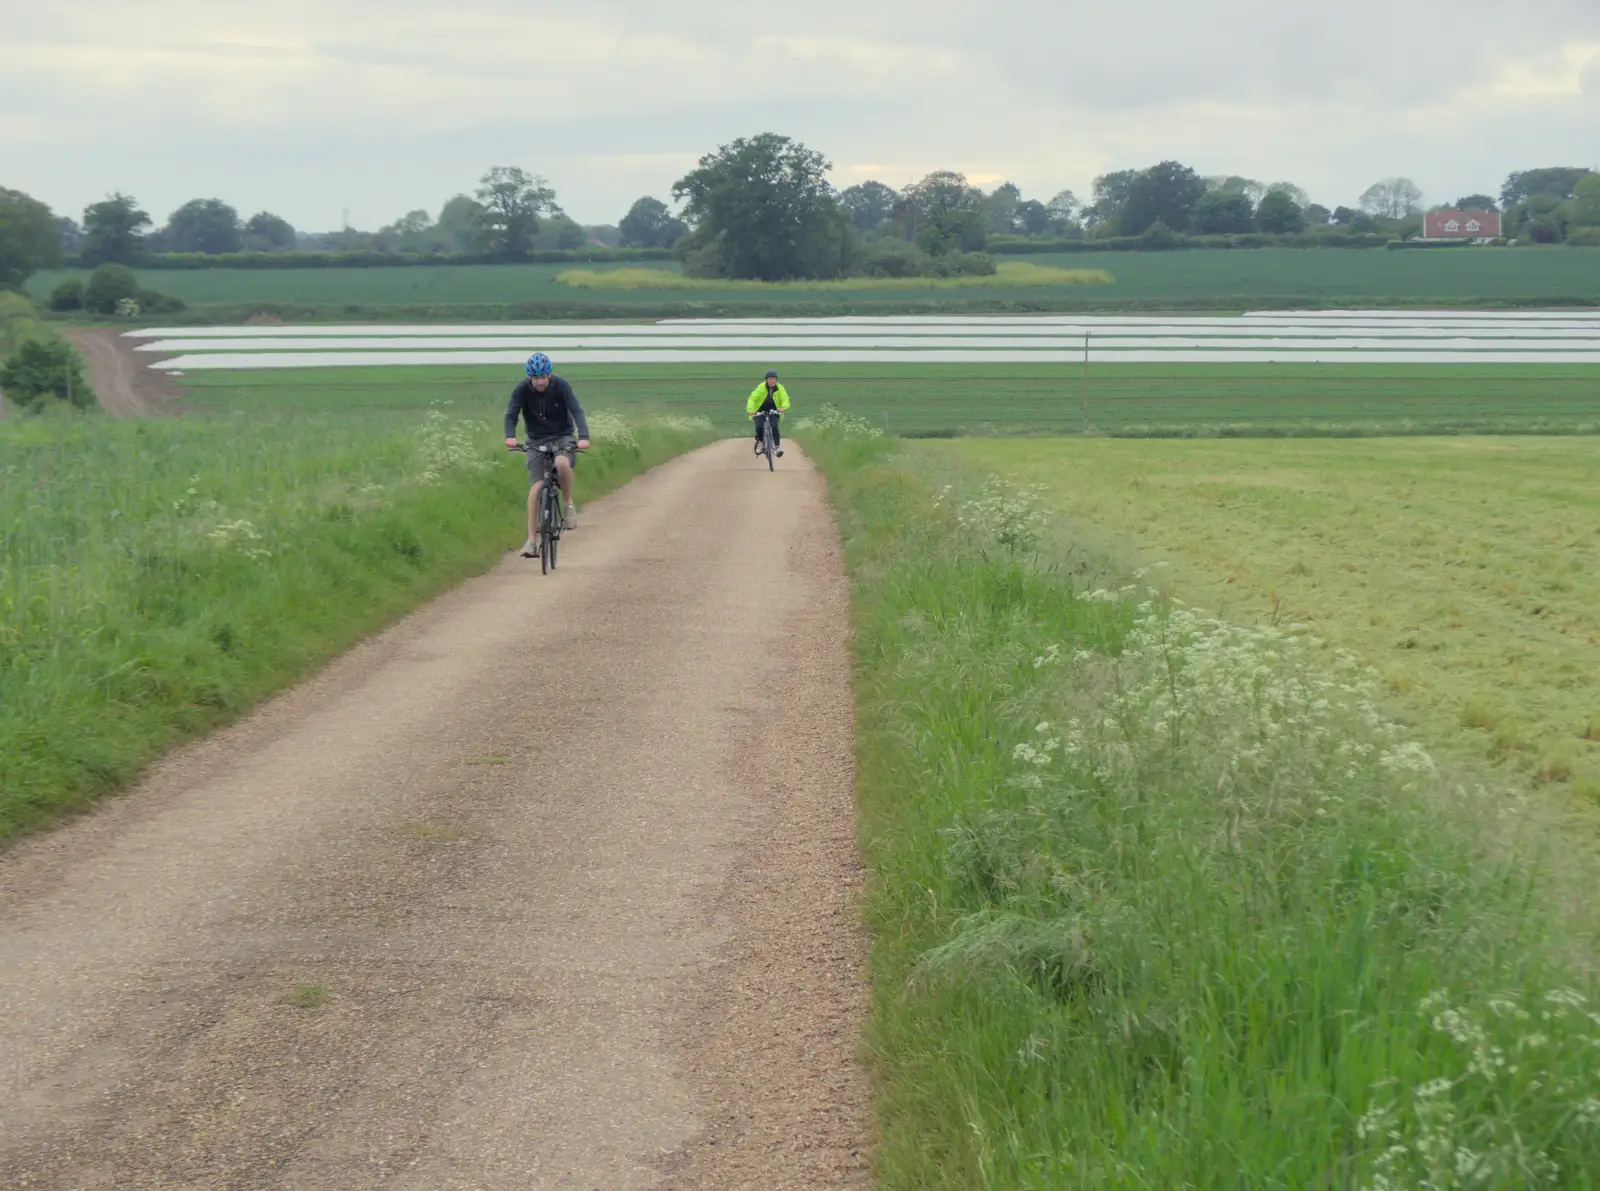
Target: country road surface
x,y
552,885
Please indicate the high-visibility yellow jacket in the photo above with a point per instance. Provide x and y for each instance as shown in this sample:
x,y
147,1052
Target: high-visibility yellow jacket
x,y
758,398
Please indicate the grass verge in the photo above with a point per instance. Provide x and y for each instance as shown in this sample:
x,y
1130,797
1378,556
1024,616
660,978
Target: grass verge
x,y
159,577
1158,902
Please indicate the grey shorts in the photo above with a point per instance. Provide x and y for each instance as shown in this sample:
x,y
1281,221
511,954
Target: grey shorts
x,y
565,445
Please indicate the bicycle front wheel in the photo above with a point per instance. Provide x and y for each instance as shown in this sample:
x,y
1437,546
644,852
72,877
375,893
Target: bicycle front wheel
x,y
547,536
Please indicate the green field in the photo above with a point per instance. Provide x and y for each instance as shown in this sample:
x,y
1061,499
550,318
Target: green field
x,y
1159,901
1464,570
1006,399
1240,278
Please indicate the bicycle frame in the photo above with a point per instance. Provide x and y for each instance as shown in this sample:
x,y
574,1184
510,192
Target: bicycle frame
x,y
549,519
768,447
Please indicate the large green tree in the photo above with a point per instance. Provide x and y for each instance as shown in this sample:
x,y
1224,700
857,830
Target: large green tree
x,y
30,238
1279,213
412,232
1392,198
761,208
266,232
1236,184
868,204
113,231
1000,209
209,225
1065,212
463,224
1585,206
1110,195
650,223
1224,212
512,201
1032,218
947,213
1557,182
1164,193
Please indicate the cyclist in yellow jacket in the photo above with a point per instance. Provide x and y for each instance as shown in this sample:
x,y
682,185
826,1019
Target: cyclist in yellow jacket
x,y
767,402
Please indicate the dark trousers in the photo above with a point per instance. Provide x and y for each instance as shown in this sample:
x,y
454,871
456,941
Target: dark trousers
x,y
777,436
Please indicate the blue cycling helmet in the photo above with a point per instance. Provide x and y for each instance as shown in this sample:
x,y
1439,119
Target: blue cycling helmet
x,y
539,365
771,375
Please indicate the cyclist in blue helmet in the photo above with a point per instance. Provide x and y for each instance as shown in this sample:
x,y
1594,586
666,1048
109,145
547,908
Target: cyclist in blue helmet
x,y
549,409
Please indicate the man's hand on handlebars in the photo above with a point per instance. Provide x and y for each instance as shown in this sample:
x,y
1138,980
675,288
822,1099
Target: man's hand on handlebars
x,y
583,444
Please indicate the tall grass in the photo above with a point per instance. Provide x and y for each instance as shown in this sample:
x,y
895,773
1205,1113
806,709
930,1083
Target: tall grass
x,y
1159,902
158,577
1007,274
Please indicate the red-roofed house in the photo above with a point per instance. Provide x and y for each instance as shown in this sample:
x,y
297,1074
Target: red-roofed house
x,y
1461,225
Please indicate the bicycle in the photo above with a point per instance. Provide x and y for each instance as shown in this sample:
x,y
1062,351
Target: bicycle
x,y
549,519
768,447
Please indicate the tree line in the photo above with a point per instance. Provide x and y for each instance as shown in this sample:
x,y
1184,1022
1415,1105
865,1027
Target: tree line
x,y
763,207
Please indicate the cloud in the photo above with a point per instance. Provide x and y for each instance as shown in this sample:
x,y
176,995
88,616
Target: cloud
x,y
309,108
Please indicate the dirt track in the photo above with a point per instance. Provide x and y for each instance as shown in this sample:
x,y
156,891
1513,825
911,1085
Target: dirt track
x,y
549,886
121,379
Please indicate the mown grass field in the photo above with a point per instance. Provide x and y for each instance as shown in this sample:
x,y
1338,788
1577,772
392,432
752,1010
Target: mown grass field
x,y
159,577
1159,902
1242,278
1466,570
995,399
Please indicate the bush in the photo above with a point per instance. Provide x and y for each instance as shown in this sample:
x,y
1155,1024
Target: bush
x,y
1544,231
109,285
1584,237
1159,237
40,368
67,295
898,258
894,258
962,264
154,302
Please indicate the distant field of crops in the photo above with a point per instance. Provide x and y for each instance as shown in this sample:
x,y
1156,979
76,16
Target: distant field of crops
x,y
1016,399
1007,273
1250,276
1464,570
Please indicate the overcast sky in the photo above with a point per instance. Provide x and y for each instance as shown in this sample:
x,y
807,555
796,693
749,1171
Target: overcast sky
x,y
312,107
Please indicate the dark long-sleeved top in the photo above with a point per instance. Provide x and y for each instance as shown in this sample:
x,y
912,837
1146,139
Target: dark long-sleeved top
x,y
550,414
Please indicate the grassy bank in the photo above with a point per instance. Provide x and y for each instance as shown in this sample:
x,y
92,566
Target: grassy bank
x,y
1162,903
159,577
1463,570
